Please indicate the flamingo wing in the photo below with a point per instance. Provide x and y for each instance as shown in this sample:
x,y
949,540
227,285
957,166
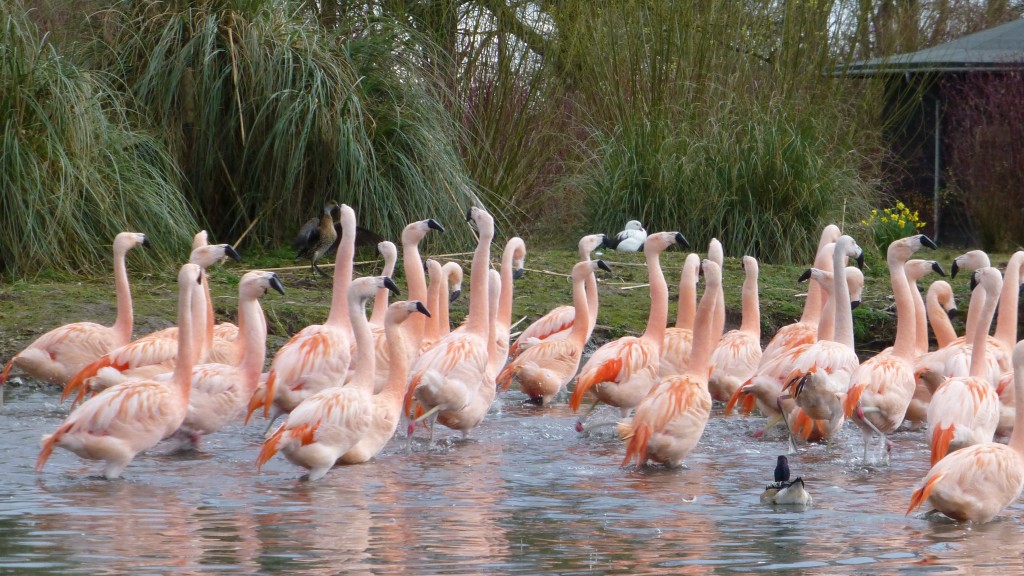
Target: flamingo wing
x,y
557,321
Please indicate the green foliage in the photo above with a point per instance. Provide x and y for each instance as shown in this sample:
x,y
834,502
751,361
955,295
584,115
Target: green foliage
x,y
269,114
692,133
73,170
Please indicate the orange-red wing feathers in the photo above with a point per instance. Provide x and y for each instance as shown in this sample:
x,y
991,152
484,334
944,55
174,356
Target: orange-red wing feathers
x,y
607,372
922,493
941,437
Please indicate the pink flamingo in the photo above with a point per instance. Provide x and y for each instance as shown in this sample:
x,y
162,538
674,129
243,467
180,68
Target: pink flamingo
x,y
880,389
155,353
738,353
380,303
675,350
221,392
670,420
326,425
415,278
387,404
965,410
316,357
834,359
451,379
126,419
979,481
622,372
512,262
558,322
545,368
940,304
62,352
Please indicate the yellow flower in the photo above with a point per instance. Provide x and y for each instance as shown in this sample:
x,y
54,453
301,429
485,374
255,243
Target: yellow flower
x,y
900,205
884,220
874,212
864,222
902,222
920,225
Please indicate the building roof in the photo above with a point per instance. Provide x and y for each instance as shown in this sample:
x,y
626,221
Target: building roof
x,y
999,48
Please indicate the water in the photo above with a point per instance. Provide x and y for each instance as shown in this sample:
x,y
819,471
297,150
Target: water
x,y
525,495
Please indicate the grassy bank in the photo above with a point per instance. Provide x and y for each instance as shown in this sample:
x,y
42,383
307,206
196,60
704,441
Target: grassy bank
x,y
29,308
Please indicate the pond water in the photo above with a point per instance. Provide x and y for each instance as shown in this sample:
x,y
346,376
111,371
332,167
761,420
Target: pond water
x,y
525,494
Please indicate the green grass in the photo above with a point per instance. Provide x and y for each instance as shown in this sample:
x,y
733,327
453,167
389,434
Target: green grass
x,y
29,307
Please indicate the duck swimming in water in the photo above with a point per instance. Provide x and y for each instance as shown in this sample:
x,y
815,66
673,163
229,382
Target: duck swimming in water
x,y
782,490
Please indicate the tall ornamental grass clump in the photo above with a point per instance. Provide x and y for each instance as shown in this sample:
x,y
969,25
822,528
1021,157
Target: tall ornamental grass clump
x,y
719,120
73,170
269,114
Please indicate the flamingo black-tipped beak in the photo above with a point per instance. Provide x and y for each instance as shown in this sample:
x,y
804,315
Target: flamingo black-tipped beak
x,y
860,260
952,313
928,242
146,243
700,269
805,276
604,241
937,268
469,215
455,296
682,241
604,266
390,285
275,283
433,225
518,273
854,304
974,280
199,279
954,269
230,252
422,309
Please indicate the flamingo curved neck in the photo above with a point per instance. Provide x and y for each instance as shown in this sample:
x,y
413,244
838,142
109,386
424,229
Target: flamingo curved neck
x,y
477,317
580,330
687,307
1017,436
941,326
1006,323
920,320
505,299
252,332
125,320
380,301
658,317
841,294
704,341
398,364
364,361
186,346
751,323
816,299
339,314
979,367
906,325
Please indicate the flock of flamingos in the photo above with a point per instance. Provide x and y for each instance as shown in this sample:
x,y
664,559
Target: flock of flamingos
x,y
344,386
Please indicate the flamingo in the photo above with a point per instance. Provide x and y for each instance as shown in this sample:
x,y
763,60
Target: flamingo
x,y
220,392
126,419
622,372
917,269
512,262
316,357
545,368
880,389
670,420
387,404
155,353
717,255
326,425
631,239
764,389
939,306
432,331
60,353
415,279
558,322
451,379
965,410
738,353
834,359
675,350
979,481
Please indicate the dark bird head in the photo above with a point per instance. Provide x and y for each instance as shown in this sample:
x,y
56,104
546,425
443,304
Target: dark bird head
x,y
422,309
860,258
805,276
275,283
230,252
854,304
782,469
146,243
